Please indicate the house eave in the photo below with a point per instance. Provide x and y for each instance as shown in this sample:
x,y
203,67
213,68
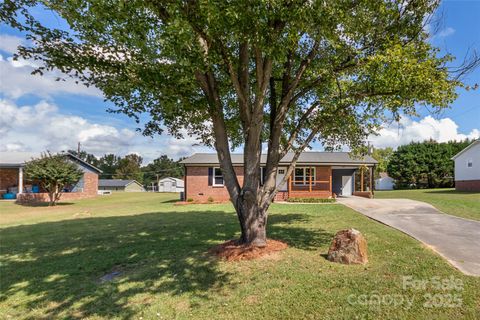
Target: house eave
x,y
282,164
465,149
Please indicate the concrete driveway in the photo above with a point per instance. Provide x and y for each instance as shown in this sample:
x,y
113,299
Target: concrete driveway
x,y
456,239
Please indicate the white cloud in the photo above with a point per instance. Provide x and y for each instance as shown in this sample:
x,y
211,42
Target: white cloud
x,y
43,127
407,130
445,32
10,43
16,80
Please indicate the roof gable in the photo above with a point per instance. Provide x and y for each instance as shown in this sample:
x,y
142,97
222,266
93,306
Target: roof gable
x,y
470,146
18,159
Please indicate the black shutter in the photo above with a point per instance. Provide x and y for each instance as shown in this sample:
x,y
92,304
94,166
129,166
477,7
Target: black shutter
x,y
210,176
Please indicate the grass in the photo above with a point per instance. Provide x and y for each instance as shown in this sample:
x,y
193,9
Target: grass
x,y
52,260
457,203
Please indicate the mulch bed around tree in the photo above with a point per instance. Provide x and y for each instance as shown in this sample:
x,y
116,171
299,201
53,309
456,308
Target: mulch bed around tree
x,y
233,251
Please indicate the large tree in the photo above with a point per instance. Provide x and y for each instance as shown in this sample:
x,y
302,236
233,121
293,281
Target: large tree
x,y
108,163
129,167
425,164
54,172
383,157
267,76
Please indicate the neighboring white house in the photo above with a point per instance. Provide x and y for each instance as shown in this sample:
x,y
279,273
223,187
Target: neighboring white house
x,y
467,168
384,182
170,184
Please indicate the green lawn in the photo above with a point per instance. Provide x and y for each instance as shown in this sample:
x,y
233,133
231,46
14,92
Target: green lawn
x,y
462,204
52,260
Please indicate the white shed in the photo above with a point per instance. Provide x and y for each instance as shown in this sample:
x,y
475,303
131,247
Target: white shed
x,y
467,168
384,182
170,184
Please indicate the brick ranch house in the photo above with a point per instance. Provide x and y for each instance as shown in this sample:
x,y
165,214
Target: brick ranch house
x,y
13,180
467,168
317,175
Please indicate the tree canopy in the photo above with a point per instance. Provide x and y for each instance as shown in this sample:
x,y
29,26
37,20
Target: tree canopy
x,y
162,167
54,172
383,157
425,164
275,74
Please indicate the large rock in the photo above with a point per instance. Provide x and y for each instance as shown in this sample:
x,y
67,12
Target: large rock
x,y
348,247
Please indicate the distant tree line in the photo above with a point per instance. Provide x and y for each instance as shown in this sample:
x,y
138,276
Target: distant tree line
x,y
130,167
419,165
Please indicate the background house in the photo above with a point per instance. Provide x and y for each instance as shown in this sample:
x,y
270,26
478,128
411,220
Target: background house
x,y
317,175
467,168
120,185
384,182
13,180
170,184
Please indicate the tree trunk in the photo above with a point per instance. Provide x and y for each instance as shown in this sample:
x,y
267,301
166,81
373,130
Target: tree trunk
x,y
253,221
51,196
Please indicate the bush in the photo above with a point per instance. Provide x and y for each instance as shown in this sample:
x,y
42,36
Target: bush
x,y
312,200
189,200
210,199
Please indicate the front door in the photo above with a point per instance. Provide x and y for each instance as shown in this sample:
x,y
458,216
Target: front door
x,y
280,174
346,185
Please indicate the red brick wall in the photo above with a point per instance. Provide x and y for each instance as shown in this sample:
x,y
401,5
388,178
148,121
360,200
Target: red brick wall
x,y
8,178
364,194
197,187
467,185
281,196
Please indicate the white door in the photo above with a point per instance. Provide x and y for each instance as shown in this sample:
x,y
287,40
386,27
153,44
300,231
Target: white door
x,y
346,185
168,186
280,174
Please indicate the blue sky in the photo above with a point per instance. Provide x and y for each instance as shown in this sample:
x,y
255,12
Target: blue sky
x,y
37,113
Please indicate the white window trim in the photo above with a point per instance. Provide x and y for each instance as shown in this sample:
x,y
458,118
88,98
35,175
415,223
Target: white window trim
x,y
214,184
306,181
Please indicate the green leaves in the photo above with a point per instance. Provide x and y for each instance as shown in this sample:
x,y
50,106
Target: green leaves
x,y
54,172
425,164
370,60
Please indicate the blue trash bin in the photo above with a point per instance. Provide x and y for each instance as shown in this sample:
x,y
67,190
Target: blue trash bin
x,y
9,196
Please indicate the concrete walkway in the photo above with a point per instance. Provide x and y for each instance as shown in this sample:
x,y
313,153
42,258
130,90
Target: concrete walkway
x,y
456,239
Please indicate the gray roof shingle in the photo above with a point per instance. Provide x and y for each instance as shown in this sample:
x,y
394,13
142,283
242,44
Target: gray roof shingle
x,y
310,157
114,182
18,159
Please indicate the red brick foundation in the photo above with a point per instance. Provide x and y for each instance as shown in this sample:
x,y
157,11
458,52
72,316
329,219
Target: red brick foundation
x,y
364,194
467,185
281,196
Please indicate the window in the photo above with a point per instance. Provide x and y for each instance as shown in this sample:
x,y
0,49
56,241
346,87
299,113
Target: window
x,y
302,176
281,171
217,177
469,163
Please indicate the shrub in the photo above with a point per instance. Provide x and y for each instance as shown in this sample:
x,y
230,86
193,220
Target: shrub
x,y
312,200
189,200
210,199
